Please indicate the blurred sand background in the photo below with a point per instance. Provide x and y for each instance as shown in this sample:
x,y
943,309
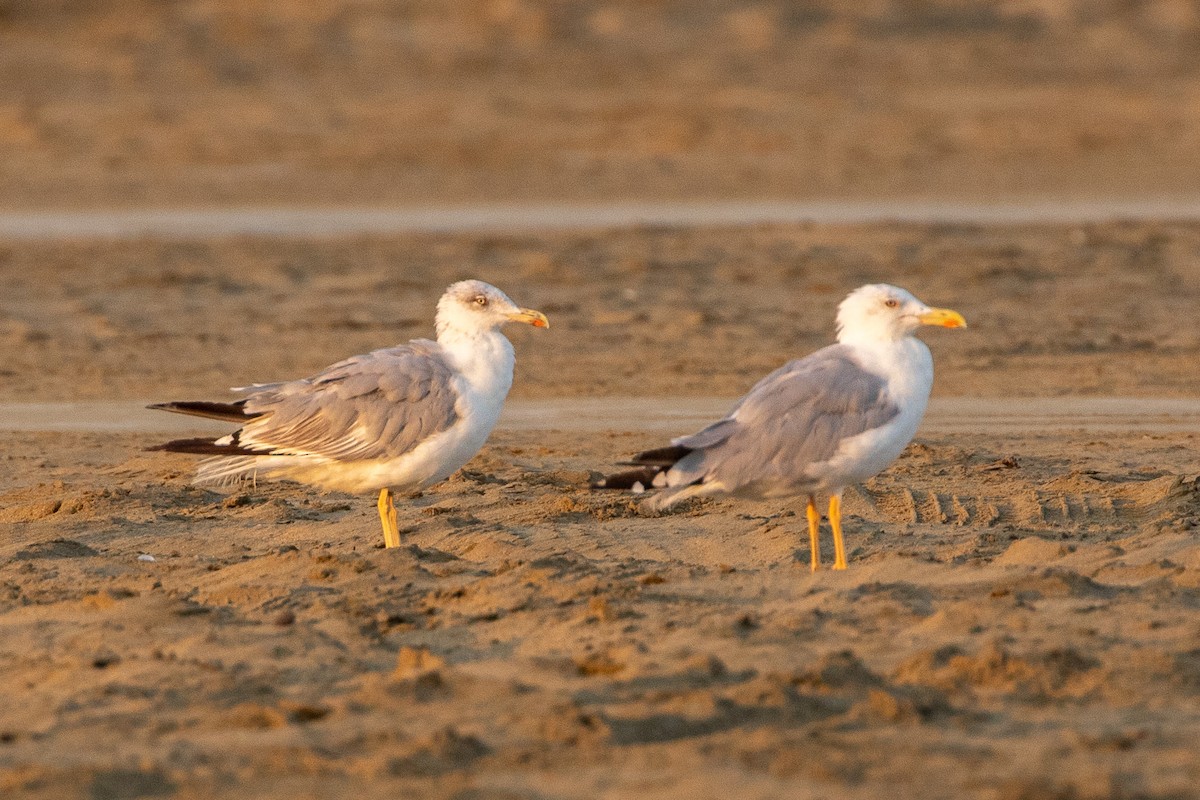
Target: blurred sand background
x,y
1019,620
127,103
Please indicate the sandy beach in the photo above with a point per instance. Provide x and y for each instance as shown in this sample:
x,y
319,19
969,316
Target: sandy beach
x,y
1019,619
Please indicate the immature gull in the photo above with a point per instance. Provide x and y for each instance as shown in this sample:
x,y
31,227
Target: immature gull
x,y
815,425
403,417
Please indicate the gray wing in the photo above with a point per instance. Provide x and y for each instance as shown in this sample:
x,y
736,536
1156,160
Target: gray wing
x,y
793,418
378,405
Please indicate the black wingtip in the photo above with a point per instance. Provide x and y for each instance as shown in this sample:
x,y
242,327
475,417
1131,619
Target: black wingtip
x,y
663,457
629,480
203,446
226,412
647,466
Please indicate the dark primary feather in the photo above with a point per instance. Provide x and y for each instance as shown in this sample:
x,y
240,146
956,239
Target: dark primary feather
x,y
659,457
204,447
649,465
226,412
627,479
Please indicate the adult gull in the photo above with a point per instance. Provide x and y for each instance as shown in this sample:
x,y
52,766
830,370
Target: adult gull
x,y
814,426
400,418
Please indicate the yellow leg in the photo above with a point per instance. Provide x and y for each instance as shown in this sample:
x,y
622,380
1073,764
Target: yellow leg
x,y
835,522
387,516
814,528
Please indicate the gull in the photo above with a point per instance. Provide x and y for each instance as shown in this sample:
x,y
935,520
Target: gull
x,y
814,426
400,418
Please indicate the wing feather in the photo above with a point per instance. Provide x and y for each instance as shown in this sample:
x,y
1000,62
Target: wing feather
x,y
377,405
795,417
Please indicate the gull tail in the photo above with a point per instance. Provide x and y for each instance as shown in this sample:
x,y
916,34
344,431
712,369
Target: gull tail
x,y
650,472
229,464
224,474
649,466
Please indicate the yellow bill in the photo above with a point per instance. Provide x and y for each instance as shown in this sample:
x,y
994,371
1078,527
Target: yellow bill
x,y
944,317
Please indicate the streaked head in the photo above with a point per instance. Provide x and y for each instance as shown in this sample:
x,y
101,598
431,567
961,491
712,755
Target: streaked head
x,y
477,306
879,312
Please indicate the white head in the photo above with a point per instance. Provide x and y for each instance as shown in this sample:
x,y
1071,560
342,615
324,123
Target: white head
x,y
477,307
882,313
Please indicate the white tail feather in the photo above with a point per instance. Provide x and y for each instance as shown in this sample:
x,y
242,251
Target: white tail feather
x,y
669,497
226,473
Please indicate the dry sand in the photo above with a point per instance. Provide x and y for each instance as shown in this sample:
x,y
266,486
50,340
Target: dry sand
x,y
1019,620
1054,310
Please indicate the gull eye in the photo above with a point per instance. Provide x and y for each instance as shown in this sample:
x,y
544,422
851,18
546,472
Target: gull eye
x,y
481,301
892,302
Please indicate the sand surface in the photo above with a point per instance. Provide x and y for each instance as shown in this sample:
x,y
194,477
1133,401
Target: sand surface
x,y
1020,616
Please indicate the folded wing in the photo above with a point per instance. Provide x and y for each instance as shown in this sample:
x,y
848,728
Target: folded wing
x,y
796,417
378,405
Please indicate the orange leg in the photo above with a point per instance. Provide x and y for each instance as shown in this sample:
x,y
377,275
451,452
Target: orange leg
x,y
814,528
387,517
835,522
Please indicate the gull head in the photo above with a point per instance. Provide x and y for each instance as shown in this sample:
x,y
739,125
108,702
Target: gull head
x,y
477,307
882,313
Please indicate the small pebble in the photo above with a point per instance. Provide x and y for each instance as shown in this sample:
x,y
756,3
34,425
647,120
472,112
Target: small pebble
x,y
284,618
146,557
